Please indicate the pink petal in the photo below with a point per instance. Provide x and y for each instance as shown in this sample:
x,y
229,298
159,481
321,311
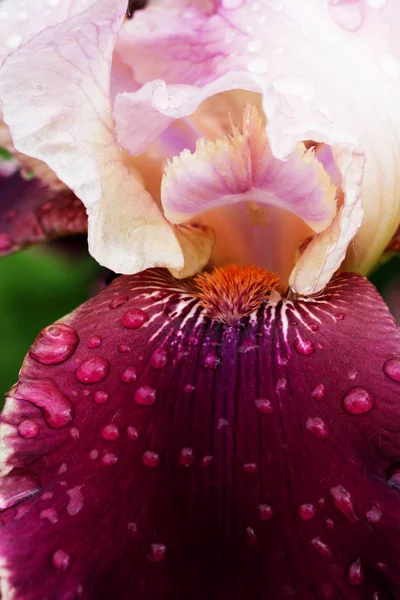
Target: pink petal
x,y
256,460
73,60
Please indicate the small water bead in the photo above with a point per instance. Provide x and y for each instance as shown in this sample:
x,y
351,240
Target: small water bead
x,y
307,511
109,459
318,427
340,316
186,457
145,395
157,552
94,342
374,515
28,429
132,432
321,547
135,318
61,560
5,242
47,495
211,360
55,344
45,394
391,368
265,511
132,529
100,397
129,375
50,514
304,347
62,469
75,503
151,459
93,370
74,433
357,401
124,348
314,327
264,406
355,575
250,467
222,424
110,432
251,536
330,524
159,358
189,388
319,392
281,384
343,502
118,301
94,454
206,461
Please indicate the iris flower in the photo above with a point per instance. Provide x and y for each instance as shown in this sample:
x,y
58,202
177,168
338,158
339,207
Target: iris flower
x,y
222,421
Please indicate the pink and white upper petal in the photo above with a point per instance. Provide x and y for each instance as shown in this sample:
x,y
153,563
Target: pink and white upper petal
x,y
329,72
55,98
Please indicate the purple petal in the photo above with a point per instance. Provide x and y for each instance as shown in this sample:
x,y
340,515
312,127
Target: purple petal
x,y
31,212
200,460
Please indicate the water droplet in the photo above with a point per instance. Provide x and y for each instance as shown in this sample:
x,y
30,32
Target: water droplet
x,y
46,395
251,536
129,375
222,424
132,529
92,370
343,502
132,433
319,392
314,326
61,560
355,575
159,358
189,388
5,242
321,547
94,342
307,511
264,406
374,515
100,397
118,301
28,429
304,347
16,487
265,512
352,374
55,344
330,524
50,514
281,384
74,433
357,401
391,368
134,318
110,432
186,457
250,467
145,395
211,360
150,459
75,503
157,552
340,316
318,427
94,454
124,348
207,460
109,459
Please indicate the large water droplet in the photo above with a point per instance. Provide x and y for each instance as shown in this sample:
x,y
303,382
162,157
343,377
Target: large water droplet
x,y
357,401
110,432
28,429
355,575
391,368
145,395
318,427
92,370
343,502
61,560
304,347
17,486
134,318
55,344
45,394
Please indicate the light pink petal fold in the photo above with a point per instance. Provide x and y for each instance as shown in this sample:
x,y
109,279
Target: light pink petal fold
x,y
55,98
328,71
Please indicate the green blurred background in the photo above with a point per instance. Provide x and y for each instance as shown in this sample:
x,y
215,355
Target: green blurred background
x,y
40,285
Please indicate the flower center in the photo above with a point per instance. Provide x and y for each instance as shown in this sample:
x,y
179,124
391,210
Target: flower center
x,y
230,293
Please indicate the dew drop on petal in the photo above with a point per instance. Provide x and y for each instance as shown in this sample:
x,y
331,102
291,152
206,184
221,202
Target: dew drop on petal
x,y
49,514
129,375
265,511
28,429
124,348
391,368
92,370
159,358
304,347
330,524
374,515
189,388
135,318
307,511
132,432
157,552
355,575
145,395
251,536
321,547
151,459
319,392
340,316
207,460
132,529
264,406
250,467
318,427
100,397
211,360
61,560
94,342
343,502
118,301
55,344
110,432
357,401
75,503
186,457
109,459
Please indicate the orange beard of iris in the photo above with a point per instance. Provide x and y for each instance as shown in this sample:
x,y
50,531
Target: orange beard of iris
x,y
230,293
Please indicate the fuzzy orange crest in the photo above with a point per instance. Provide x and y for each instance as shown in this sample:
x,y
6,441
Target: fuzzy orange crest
x,y
230,293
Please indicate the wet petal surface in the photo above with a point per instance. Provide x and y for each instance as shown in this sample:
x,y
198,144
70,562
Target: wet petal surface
x,y
196,459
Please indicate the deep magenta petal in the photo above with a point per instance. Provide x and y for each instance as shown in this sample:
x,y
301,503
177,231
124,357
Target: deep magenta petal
x,y
31,213
170,457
